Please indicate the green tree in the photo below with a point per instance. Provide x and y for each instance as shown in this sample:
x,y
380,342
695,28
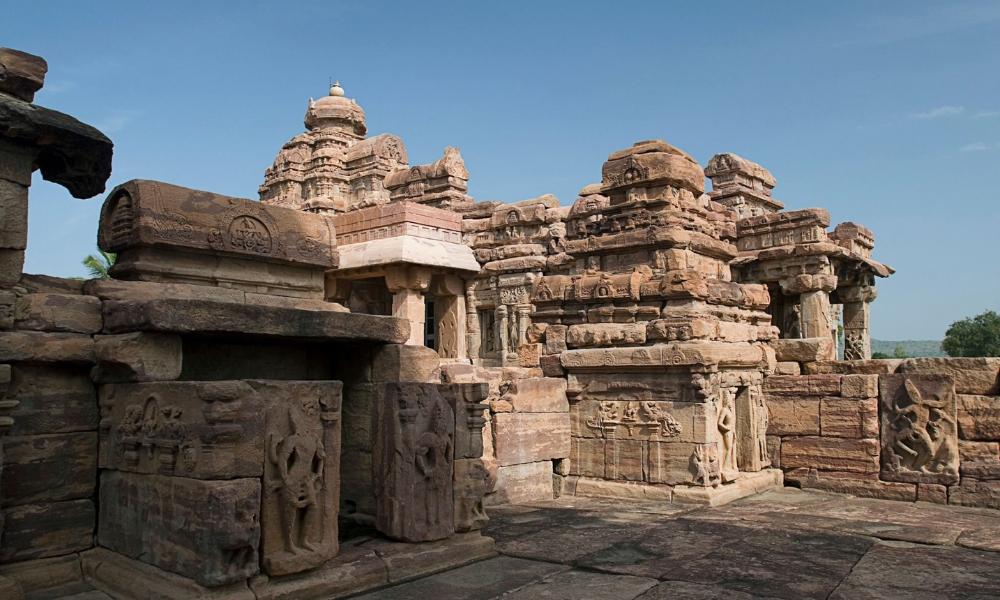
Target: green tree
x,y
975,336
899,352
99,264
880,355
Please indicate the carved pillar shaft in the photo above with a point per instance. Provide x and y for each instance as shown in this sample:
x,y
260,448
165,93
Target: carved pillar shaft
x,y
523,320
857,325
501,333
409,304
15,177
473,334
815,314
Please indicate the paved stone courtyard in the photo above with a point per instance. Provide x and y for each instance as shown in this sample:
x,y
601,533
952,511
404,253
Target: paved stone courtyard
x,y
781,544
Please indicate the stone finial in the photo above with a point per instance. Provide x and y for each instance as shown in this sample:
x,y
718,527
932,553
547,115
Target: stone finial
x,y
336,90
727,163
21,74
649,163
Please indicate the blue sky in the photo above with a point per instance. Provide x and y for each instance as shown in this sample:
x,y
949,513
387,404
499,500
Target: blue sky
x,y
887,113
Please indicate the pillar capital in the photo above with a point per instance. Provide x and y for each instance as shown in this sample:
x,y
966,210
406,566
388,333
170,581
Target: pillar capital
x,y
857,293
406,277
801,284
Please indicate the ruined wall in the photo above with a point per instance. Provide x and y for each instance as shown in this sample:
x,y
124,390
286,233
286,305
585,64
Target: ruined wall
x,y
917,429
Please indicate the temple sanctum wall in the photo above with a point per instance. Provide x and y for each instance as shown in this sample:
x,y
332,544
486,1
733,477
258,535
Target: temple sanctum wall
x,y
323,391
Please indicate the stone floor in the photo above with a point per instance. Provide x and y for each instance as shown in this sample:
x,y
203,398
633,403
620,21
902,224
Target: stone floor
x,y
781,544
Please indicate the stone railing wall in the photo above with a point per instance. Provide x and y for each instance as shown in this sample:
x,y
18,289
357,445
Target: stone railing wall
x,y
924,429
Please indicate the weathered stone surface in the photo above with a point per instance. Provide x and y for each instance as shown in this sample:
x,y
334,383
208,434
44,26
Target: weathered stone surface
x,y
522,483
880,366
859,386
207,317
13,213
919,428
971,375
208,531
643,420
574,584
803,349
301,490
530,437
49,468
204,430
11,265
978,451
58,312
41,530
849,417
52,399
55,577
979,417
904,571
830,454
138,356
405,362
787,368
467,402
414,432
932,492
470,486
124,577
793,416
38,347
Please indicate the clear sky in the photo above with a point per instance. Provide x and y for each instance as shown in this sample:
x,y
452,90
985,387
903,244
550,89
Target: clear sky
x,y
887,113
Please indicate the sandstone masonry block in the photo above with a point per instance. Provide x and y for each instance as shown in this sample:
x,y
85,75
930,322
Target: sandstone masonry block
x,y
399,362
787,368
971,375
859,386
979,417
793,416
849,417
605,334
530,437
803,385
537,395
49,468
521,483
803,349
42,530
52,399
38,347
830,454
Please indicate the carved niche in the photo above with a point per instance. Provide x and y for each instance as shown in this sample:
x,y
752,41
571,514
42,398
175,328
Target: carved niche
x,y
413,462
470,478
301,474
919,431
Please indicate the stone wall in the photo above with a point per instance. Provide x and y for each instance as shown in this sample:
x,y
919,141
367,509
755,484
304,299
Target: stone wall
x,y
923,429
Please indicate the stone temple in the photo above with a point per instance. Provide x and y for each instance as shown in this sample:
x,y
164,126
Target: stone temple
x,y
327,390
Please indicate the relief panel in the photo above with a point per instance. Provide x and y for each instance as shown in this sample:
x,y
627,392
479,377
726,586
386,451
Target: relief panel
x,y
919,431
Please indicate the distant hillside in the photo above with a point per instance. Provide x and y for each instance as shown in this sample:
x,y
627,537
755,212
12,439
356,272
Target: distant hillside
x,y
911,347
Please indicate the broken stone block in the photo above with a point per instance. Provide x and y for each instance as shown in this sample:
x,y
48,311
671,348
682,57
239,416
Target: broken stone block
x,y
919,429
787,368
58,312
23,73
971,375
414,429
204,430
208,531
803,349
537,394
979,417
41,530
551,366
521,483
859,386
52,399
555,339
830,454
793,416
530,437
138,356
301,489
38,347
49,468
849,417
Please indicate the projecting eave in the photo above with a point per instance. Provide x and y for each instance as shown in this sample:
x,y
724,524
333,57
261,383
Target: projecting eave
x,y
409,250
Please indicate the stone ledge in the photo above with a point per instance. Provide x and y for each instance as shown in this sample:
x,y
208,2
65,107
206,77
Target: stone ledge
x,y
210,317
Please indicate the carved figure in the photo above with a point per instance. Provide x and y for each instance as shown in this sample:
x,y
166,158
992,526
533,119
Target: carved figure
x,y
706,463
299,458
727,430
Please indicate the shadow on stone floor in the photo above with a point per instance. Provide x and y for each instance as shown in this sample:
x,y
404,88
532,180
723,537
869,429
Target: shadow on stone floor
x,y
782,544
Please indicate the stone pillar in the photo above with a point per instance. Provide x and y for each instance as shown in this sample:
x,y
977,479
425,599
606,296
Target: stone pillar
x,y
407,285
814,305
449,293
857,326
523,320
15,176
473,333
501,332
